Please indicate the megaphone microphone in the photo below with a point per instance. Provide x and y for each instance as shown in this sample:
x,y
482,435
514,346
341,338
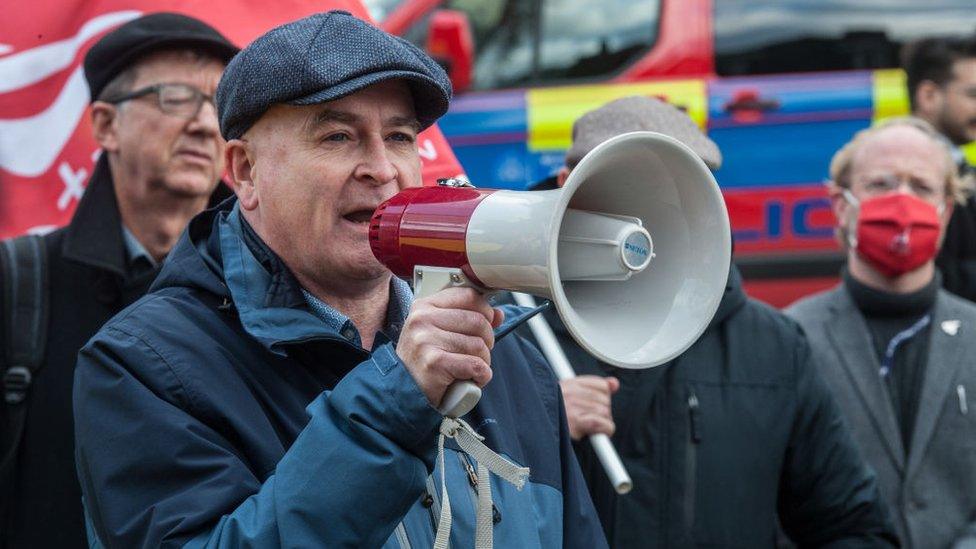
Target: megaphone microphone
x,y
634,250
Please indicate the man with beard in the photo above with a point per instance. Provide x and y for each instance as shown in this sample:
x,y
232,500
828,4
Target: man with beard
x,y
942,91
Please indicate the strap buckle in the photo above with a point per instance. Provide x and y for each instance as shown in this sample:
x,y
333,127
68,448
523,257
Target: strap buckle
x,y
16,382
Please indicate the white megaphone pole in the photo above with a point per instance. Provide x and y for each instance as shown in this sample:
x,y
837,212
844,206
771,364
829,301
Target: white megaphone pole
x,y
553,352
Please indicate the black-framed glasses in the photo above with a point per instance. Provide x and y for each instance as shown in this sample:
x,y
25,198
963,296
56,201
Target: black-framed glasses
x,y
175,99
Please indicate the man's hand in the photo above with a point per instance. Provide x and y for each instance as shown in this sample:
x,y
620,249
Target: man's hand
x,y
448,337
587,400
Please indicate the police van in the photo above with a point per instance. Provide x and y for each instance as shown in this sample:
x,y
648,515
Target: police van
x,y
778,85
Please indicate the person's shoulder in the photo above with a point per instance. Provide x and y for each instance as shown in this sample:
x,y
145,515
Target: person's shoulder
x,y
170,319
813,306
953,307
764,315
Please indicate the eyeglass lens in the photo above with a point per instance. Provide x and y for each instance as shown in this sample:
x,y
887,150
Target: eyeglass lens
x,y
180,100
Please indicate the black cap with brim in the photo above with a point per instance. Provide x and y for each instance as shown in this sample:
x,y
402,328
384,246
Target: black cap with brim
x,y
121,48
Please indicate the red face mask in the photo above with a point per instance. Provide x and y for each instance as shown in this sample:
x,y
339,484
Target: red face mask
x,y
896,233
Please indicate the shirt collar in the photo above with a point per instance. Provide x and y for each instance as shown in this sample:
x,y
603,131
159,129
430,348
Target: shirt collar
x,y
401,297
134,250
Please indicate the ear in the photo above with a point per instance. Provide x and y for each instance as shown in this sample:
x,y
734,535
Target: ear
x,y
928,98
240,169
104,117
947,211
562,176
838,204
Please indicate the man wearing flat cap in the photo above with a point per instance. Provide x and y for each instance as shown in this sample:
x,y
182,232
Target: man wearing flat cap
x,y
736,434
151,82
278,387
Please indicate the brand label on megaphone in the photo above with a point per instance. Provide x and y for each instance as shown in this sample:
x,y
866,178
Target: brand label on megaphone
x,y
637,250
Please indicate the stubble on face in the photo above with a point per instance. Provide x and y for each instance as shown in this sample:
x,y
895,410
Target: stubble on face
x,y
957,115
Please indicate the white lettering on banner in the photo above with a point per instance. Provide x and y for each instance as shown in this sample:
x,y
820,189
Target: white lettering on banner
x,y
4,49
427,150
73,184
36,64
28,146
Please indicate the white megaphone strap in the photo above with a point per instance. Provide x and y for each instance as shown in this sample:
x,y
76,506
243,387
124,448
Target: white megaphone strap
x,y
488,461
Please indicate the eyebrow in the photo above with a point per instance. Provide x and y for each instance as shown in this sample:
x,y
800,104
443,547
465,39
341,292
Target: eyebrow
x,y
327,116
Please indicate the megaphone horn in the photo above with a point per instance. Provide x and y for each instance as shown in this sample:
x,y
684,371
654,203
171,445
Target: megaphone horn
x,y
634,250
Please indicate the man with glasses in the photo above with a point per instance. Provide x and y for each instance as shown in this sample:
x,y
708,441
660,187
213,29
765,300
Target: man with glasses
x,y
894,346
161,159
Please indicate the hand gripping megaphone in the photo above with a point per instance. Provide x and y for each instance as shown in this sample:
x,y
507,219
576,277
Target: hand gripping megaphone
x,y
634,250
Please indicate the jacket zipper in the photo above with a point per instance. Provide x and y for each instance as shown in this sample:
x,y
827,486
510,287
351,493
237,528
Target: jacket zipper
x,y
472,478
434,510
691,459
472,475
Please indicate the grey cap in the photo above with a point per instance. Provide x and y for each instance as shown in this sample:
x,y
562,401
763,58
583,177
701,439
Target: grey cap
x,y
322,58
639,113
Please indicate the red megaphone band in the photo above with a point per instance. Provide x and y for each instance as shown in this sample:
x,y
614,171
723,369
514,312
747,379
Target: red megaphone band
x,y
425,226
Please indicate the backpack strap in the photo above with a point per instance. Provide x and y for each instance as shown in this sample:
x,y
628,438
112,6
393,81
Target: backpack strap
x,y
25,297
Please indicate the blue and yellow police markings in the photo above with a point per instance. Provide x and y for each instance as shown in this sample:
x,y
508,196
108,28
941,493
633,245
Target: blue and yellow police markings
x,y
515,138
551,111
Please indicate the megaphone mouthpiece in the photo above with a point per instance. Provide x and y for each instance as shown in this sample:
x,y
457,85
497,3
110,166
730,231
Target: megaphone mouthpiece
x,y
425,226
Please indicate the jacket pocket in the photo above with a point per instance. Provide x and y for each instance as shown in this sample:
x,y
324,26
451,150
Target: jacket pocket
x,y
691,459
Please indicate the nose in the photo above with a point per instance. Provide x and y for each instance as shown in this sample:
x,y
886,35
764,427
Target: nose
x,y
205,121
375,166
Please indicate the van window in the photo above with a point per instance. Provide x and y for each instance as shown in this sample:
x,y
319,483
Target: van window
x,y
763,37
583,39
541,42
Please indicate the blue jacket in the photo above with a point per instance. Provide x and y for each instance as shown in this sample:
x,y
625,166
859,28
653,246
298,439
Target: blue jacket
x,y
218,411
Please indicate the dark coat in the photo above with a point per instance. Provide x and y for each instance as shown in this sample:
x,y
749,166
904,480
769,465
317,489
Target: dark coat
x,y
957,257
89,284
219,409
735,434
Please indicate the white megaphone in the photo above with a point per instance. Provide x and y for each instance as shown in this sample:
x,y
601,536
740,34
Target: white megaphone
x,y
634,250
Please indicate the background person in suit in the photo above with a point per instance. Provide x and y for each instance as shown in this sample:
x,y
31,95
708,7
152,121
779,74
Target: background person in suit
x,y
896,348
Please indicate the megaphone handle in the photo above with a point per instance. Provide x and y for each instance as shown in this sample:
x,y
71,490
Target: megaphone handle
x,y
616,472
461,396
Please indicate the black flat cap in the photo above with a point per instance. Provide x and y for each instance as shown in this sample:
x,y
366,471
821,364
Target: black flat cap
x,y
122,47
322,58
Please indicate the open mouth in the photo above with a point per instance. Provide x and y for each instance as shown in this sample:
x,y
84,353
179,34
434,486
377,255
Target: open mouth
x,y
359,216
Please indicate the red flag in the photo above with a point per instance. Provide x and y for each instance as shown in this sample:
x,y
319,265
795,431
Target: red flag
x,y
46,148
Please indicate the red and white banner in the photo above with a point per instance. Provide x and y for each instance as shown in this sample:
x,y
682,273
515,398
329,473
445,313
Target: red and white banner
x,y
46,148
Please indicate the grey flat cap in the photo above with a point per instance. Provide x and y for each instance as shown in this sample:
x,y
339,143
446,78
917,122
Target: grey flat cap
x,y
322,58
639,113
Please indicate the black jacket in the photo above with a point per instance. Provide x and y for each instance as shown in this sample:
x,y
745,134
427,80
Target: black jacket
x,y
89,283
738,432
957,256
